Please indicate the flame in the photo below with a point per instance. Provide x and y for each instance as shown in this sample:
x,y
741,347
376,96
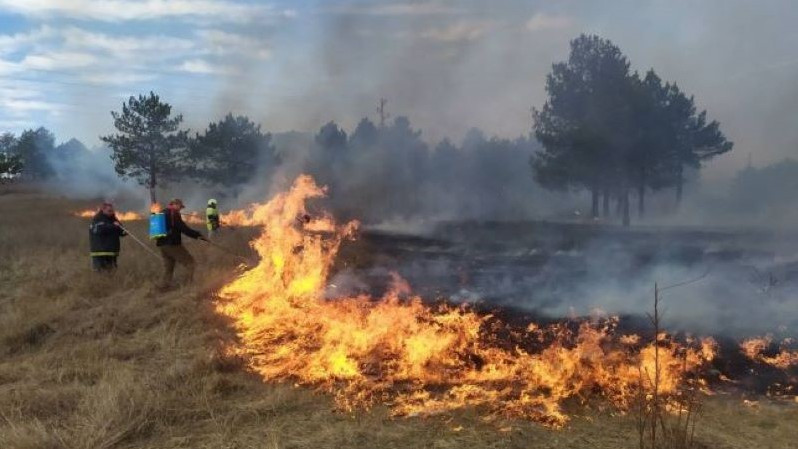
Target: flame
x,y
193,218
239,217
754,349
251,216
88,213
419,359
121,216
128,216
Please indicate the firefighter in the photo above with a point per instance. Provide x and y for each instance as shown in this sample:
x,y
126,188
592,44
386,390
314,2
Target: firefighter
x,y
171,245
104,233
212,217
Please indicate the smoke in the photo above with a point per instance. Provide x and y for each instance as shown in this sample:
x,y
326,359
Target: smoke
x,y
754,197
716,284
766,194
390,178
736,284
450,66
87,174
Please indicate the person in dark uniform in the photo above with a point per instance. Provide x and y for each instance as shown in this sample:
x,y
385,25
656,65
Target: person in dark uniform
x,y
171,245
104,234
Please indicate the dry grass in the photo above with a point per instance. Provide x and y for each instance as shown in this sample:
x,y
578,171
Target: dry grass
x,y
89,361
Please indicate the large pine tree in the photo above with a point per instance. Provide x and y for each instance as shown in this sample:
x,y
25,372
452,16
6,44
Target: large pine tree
x,y
149,146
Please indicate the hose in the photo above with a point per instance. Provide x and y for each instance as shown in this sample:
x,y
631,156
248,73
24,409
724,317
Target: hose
x,y
223,249
143,245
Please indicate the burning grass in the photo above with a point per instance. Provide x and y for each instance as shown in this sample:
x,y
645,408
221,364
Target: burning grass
x,y
236,217
96,362
756,350
120,215
422,360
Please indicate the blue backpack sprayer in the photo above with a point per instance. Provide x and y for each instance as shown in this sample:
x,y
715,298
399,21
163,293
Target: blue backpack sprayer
x,y
158,230
157,225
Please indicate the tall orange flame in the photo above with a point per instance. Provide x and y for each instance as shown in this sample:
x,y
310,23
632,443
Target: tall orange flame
x,y
416,358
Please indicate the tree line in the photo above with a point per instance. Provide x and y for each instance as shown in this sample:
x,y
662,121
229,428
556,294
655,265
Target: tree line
x,y
603,128
27,154
387,171
150,147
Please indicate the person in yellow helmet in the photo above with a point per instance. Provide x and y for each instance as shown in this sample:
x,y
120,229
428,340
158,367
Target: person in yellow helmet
x,y
212,217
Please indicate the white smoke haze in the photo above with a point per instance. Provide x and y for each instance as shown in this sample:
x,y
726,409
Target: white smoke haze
x,y
731,283
83,173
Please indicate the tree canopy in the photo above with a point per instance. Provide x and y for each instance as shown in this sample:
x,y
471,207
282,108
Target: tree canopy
x,y
229,152
149,146
33,148
608,130
10,163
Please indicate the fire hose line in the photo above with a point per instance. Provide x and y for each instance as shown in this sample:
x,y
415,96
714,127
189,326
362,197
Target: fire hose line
x,y
225,250
143,245
215,245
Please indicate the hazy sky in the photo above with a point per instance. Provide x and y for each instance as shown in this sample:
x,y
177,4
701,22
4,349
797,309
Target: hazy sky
x,y
449,65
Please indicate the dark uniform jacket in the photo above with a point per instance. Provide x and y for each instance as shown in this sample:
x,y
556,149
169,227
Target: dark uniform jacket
x,y
104,236
175,227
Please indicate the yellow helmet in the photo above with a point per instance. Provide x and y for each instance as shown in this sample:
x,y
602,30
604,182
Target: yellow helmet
x,y
211,202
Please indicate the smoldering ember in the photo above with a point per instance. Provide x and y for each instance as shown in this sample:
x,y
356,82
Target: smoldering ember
x,y
432,223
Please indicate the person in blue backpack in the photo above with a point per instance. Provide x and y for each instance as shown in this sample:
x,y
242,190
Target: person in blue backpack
x,y
104,235
171,245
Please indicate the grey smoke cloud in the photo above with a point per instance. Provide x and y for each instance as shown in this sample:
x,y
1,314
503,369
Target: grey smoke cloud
x,y
484,65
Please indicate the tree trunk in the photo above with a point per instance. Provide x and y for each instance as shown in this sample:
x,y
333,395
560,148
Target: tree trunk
x,y
153,174
606,203
679,185
625,202
641,198
594,207
151,186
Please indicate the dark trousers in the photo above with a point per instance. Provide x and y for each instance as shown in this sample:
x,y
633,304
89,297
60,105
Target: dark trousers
x,y
174,254
103,263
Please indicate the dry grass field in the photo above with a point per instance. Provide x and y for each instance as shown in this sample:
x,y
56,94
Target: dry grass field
x,y
91,361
